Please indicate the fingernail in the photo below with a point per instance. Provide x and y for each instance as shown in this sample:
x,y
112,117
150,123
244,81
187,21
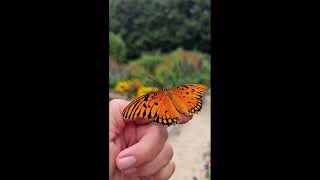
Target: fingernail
x,y
130,171
126,162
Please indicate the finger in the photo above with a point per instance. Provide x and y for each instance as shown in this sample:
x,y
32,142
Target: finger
x,y
139,121
155,165
116,108
185,118
166,172
151,139
116,123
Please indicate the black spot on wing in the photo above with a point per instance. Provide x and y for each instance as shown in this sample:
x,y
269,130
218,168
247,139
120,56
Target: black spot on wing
x,y
146,97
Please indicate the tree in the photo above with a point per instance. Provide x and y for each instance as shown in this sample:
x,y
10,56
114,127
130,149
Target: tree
x,y
161,24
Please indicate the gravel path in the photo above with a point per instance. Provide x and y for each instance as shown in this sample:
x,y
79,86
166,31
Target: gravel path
x,y
190,142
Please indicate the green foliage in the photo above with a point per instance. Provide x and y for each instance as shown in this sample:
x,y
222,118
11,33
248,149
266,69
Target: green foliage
x,y
141,75
148,62
177,70
113,79
117,47
184,71
116,75
178,67
161,24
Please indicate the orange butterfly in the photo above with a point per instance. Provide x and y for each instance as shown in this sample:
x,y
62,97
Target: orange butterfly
x,y
164,107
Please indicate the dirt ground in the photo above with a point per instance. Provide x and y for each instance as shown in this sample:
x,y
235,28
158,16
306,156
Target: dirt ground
x,y
191,142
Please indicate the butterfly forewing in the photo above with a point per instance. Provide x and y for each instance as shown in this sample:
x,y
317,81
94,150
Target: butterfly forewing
x,y
155,106
188,98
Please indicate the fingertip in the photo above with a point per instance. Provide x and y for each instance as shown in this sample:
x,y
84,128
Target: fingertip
x,y
185,118
116,107
124,163
119,102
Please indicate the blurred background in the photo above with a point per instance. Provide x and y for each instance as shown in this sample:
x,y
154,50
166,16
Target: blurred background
x,y
169,40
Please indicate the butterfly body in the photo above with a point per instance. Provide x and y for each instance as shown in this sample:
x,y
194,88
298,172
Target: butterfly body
x,y
164,107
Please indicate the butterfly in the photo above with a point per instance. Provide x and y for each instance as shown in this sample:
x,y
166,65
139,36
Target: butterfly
x,y
164,107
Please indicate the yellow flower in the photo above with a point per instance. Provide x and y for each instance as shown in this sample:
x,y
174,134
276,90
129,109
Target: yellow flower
x,y
123,86
144,90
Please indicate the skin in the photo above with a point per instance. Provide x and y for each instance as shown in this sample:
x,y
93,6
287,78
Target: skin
x,y
140,142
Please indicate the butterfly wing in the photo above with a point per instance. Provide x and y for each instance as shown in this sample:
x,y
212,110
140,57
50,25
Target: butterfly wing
x,y
188,98
155,106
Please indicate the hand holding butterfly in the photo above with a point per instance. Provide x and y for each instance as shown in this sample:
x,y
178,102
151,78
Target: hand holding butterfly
x,y
138,149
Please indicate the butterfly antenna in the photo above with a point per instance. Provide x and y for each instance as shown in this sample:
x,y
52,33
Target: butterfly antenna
x,y
156,81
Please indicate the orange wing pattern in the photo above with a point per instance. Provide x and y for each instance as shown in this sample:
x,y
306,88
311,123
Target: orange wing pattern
x,y
164,107
188,98
155,106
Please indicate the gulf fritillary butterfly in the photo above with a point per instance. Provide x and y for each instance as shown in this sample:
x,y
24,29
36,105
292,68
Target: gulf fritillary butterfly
x,y
164,107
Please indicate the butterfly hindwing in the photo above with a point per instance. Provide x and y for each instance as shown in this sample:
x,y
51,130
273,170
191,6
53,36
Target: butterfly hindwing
x,y
167,113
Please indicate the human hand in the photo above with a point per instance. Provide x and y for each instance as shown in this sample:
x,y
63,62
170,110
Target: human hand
x,y
138,149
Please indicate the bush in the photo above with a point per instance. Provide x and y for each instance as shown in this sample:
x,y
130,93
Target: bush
x,y
148,62
177,68
184,67
117,48
142,76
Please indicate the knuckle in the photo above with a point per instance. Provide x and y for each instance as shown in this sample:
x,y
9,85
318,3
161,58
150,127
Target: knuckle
x,y
169,151
163,133
173,167
147,155
167,172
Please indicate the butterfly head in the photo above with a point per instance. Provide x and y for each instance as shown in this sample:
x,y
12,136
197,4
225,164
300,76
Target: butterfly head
x,y
164,88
